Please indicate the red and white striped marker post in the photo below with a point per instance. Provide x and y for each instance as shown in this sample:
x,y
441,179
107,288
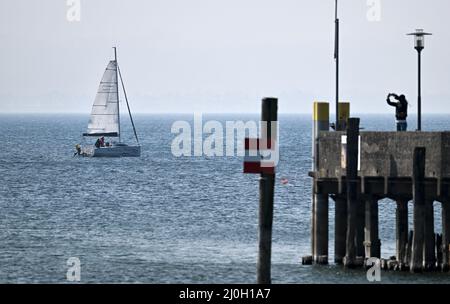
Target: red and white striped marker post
x,y
255,162
258,163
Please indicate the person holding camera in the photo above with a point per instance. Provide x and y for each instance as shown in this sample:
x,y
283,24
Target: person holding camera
x,y
401,110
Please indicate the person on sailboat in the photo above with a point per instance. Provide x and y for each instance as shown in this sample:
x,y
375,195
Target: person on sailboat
x,y
102,141
98,143
78,150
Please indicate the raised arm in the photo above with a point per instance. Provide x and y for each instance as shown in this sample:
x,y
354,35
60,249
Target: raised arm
x,y
394,104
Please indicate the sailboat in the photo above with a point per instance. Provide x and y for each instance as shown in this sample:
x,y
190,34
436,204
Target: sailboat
x,y
105,118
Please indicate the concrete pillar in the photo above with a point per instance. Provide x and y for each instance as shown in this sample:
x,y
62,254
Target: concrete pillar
x,y
416,264
445,235
319,239
372,242
340,225
401,216
430,237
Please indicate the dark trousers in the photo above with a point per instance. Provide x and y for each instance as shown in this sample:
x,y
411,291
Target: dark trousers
x,y
402,126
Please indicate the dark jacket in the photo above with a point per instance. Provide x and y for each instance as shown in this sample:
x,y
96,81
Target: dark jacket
x,y
401,107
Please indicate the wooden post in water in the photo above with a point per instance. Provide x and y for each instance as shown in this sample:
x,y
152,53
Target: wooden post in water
x,y
319,236
401,216
439,250
360,227
371,233
409,249
416,264
352,194
445,235
429,242
340,228
266,197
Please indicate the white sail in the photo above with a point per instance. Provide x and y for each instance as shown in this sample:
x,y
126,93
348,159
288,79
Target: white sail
x,y
105,111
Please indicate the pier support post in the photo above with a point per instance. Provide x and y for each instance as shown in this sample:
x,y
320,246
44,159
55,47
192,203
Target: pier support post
x,y
340,227
401,215
416,264
319,235
352,194
321,229
445,235
360,227
430,237
266,197
372,242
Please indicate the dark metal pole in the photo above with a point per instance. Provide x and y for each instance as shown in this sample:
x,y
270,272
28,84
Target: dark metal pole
x,y
336,57
352,190
266,197
419,101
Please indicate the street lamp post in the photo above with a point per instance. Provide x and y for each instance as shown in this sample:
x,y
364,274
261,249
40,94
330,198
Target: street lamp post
x,y
419,45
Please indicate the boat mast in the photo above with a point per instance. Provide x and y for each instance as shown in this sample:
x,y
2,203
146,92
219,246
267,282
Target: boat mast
x,y
117,90
128,105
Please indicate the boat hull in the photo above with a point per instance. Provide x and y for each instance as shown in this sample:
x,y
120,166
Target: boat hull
x,y
113,151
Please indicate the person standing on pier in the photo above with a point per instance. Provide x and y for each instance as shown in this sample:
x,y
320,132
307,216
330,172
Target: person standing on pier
x,y
401,110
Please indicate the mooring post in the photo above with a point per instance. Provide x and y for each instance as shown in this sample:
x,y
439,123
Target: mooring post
x,y
416,264
401,217
319,238
445,235
352,194
371,233
266,197
430,241
340,228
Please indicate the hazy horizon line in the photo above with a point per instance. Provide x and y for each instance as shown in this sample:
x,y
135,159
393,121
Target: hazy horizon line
x,y
214,113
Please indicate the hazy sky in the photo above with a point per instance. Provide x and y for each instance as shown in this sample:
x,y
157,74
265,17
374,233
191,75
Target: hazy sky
x,y
221,55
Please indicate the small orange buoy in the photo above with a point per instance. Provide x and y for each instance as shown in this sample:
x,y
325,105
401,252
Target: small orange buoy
x,y
284,181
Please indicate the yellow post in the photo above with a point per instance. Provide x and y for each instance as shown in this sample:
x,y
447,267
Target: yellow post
x,y
344,115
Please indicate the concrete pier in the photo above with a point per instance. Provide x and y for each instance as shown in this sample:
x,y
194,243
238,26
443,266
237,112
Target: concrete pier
x,y
361,170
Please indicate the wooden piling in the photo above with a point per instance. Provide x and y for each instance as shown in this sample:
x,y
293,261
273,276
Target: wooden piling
x,y
371,235
438,250
445,235
319,239
360,225
409,248
340,226
429,242
266,197
401,215
416,264
352,194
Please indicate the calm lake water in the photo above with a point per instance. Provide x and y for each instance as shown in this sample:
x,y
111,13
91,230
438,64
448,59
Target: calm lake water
x,y
158,218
